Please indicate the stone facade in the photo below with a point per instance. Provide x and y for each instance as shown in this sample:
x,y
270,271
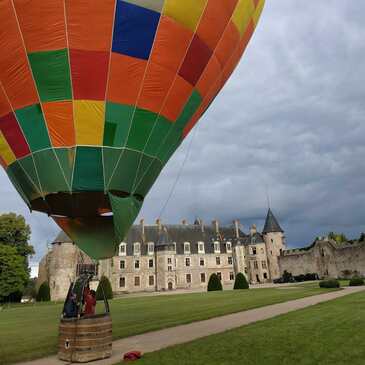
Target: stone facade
x,y
168,257
326,258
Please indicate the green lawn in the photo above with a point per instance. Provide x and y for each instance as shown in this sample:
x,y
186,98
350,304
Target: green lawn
x,y
329,333
30,331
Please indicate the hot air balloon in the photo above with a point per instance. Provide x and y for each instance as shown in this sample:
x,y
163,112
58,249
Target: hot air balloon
x,y
96,96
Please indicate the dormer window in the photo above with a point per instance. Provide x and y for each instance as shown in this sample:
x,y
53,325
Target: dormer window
x,y
151,248
122,249
229,246
253,250
217,248
136,248
187,248
201,248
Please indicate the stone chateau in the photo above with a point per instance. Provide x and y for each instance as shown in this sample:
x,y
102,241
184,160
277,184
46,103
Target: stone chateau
x,y
167,257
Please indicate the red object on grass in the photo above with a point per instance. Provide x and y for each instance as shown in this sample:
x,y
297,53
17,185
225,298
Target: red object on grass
x,y
132,356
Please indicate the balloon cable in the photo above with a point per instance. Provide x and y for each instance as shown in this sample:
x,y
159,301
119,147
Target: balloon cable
x,y
180,172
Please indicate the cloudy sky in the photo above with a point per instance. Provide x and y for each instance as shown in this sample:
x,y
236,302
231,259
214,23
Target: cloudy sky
x,y
289,124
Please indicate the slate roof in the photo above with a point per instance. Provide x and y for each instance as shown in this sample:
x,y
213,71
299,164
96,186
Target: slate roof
x,y
271,224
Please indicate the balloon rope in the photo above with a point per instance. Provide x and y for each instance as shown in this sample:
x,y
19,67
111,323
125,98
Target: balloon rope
x,y
179,173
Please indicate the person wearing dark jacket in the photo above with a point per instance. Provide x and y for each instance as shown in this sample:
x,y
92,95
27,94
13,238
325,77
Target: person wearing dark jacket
x,y
70,310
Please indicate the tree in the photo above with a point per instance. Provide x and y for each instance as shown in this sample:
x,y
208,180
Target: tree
x,y
15,232
43,294
338,237
30,290
104,285
240,282
13,274
214,283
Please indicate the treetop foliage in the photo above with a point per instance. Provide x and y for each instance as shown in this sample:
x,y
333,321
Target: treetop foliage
x,y
16,233
13,273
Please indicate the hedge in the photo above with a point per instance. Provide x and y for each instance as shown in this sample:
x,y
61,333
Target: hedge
x,y
104,284
356,281
240,282
43,294
214,283
330,283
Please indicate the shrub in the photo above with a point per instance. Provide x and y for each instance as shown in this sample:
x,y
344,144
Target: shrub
x,y
356,281
214,283
287,277
330,283
299,278
43,294
240,282
104,284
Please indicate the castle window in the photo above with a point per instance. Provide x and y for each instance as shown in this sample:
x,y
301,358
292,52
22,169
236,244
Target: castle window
x,y
150,263
151,280
201,247
202,277
188,278
272,241
137,281
255,265
122,264
231,276
169,260
201,262
264,266
122,282
136,248
254,250
230,260
174,246
136,264
219,274
151,248
229,246
169,268
218,260
186,247
217,248
122,249
187,261
246,270
265,275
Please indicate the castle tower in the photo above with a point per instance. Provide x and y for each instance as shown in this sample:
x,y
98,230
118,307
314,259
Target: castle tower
x,y
275,243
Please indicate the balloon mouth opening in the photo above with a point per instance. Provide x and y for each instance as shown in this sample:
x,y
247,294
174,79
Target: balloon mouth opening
x,y
78,204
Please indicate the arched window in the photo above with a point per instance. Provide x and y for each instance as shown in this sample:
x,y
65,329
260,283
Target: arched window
x,y
123,249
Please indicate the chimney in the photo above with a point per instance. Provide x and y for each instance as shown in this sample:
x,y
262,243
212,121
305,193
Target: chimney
x,y
201,225
184,222
216,226
253,229
158,223
141,222
237,228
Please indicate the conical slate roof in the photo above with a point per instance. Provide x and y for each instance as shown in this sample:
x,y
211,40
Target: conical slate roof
x,y
271,224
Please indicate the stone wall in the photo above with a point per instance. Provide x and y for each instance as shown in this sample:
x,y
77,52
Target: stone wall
x,y
325,258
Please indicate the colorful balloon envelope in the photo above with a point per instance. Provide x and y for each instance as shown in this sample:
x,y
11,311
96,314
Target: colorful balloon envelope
x,y
96,96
